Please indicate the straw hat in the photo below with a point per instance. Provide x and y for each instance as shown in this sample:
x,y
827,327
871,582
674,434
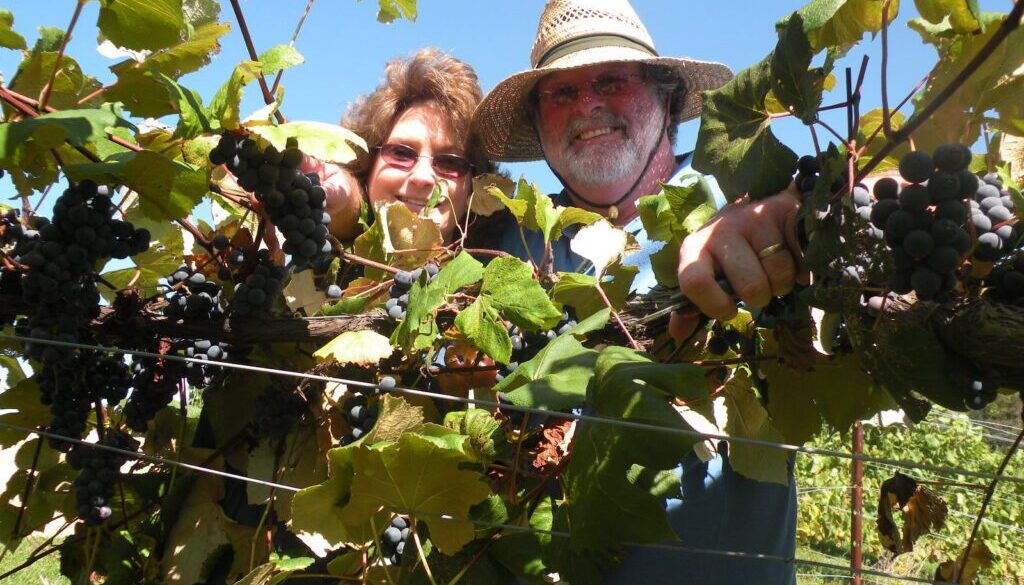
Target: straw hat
x,y
572,34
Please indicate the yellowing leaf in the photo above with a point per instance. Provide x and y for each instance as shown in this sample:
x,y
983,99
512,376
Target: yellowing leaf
x,y
323,141
741,414
922,510
364,348
404,230
396,417
302,294
483,200
979,558
418,473
601,243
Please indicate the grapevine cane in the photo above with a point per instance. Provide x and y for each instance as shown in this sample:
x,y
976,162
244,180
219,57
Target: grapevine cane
x,y
267,96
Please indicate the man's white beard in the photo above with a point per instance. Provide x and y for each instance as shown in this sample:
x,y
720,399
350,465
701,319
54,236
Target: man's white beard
x,y
602,164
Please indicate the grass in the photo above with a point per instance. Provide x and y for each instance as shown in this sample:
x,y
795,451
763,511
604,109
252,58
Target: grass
x,y
45,571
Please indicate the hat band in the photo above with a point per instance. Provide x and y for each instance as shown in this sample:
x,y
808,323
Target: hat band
x,y
590,42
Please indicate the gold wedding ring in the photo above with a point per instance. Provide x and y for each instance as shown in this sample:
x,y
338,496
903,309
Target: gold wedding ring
x,y
768,251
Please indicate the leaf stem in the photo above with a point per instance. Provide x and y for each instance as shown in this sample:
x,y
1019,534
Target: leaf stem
x,y
886,119
618,320
27,493
989,492
268,97
419,552
44,95
295,36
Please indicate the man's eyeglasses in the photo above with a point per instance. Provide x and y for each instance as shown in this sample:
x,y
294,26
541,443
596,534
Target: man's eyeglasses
x,y
449,166
604,86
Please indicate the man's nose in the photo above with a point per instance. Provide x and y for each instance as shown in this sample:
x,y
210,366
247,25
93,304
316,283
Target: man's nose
x,y
587,102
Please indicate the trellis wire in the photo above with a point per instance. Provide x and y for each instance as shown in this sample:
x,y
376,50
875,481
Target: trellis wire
x,y
145,457
530,410
1003,498
512,527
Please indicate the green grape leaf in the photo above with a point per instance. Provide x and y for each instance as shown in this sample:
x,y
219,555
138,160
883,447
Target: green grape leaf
x,y
14,374
482,325
794,83
996,84
77,127
869,123
391,10
351,306
19,405
461,271
326,142
195,118
603,508
523,552
418,330
199,531
317,511
735,142
744,416
8,38
69,86
509,285
417,473
580,292
167,189
396,416
481,428
280,57
303,467
556,378
962,15
226,102
842,23
141,24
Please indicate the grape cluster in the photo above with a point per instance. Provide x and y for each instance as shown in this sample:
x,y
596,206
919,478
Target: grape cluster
x,y
398,304
393,539
154,385
204,374
261,288
99,471
192,295
526,344
361,416
61,263
72,386
922,222
993,219
295,202
1006,283
276,412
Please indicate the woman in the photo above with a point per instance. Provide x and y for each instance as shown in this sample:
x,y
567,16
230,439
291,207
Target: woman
x,y
416,126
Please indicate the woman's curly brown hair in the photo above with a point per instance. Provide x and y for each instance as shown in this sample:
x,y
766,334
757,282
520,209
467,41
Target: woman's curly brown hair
x,y
428,75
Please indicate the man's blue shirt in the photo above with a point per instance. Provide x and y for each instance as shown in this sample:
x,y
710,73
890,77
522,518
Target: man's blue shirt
x,y
717,508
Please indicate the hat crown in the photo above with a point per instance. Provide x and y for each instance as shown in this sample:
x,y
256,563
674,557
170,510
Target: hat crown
x,y
566,20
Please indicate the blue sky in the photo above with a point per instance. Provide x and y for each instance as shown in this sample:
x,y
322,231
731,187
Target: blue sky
x,y
345,48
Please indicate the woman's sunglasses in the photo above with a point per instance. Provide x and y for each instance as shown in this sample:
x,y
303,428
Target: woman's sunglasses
x,y
449,166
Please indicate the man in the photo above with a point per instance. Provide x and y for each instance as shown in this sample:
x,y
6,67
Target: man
x,y
601,107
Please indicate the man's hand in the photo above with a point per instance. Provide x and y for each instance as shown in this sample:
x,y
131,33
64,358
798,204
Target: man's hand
x,y
344,196
742,244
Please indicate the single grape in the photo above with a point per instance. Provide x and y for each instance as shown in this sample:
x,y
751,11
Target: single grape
x,y
916,166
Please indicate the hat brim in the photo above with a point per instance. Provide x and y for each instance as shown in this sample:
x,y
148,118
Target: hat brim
x,y
501,119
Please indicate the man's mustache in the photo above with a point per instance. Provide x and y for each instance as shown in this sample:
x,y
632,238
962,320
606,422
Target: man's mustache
x,y
578,125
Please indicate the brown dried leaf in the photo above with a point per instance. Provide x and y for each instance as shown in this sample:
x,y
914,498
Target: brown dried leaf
x,y
554,446
922,510
923,513
796,345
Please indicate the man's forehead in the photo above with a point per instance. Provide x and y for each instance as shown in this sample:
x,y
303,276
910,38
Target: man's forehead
x,y
589,72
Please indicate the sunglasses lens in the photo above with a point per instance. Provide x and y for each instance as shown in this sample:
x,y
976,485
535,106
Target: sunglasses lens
x,y
399,155
450,165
